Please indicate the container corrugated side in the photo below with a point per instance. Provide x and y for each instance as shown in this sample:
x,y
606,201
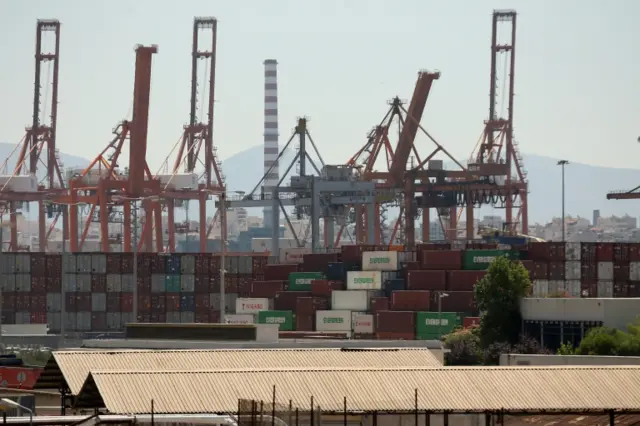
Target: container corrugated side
x,y
338,320
282,318
380,261
251,305
350,300
432,325
301,281
363,324
481,259
364,280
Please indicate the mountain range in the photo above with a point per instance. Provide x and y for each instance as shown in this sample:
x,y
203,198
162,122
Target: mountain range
x,y
585,185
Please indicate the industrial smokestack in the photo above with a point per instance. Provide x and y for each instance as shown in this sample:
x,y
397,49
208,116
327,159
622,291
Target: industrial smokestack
x,y
271,148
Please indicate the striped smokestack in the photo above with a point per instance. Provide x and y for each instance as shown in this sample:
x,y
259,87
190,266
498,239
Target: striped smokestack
x,y
270,132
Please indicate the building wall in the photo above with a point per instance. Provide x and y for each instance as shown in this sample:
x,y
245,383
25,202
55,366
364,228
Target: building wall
x,y
518,359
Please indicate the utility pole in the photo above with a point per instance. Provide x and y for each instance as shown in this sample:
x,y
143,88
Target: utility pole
x,y
563,163
135,261
223,248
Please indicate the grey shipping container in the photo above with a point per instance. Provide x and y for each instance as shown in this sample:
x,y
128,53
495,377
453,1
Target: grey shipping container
x,y
214,301
8,283
187,317
69,283
98,302
127,318
54,302
7,263
114,320
83,282
173,317
127,283
23,317
157,283
230,302
187,283
114,283
245,264
70,321
23,263
99,263
68,263
83,263
188,264
53,319
84,321
23,282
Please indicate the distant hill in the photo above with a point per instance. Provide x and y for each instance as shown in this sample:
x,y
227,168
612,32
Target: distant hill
x,y
68,161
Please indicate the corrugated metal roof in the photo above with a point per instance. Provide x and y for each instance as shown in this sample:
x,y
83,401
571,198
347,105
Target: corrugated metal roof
x,y
74,366
513,389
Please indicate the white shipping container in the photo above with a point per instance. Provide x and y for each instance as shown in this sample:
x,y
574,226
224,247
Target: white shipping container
x,y
350,300
333,320
363,324
293,255
239,319
364,280
380,261
251,305
605,271
605,289
540,288
572,270
556,288
573,288
572,251
634,271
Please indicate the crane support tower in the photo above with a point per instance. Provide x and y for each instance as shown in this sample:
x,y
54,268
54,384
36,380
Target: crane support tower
x,y
26,182
196,147
107,189
497,155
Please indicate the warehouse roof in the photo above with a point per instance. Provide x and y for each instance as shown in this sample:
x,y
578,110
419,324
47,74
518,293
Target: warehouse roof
x,y
463,389
71,368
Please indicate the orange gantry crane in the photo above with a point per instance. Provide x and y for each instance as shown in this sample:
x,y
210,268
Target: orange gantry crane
x,y
37,175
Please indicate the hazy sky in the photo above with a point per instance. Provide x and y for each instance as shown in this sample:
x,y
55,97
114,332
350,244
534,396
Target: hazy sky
x,y
577,73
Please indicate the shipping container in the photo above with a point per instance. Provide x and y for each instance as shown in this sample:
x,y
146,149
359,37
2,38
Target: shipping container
x,y
325,287
352,253
23,263
380,261
336,271
621,272
252,305
23,282
456,301
54,302
441,259
397,284
605,288
305,323
127,284
634,271
540,288
463,280
572,251
350,300
363,324
266,289
539,251
287,300
318,261
557,288
621,289
604,252
38,264
573,288
188,264
98,302
283,318
605,271
621,253
426,280
187,302
540,270
301,281
395,321
572,270
469,322
589,271
98,283
364,280
187,283
410,300
239,319
279,272
481,259
335,320
7,263
433,325
114,283
293,255
556,270
379,304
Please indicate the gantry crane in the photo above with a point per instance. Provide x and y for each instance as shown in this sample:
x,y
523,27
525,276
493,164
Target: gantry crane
x,y
37,151
106,187
196,147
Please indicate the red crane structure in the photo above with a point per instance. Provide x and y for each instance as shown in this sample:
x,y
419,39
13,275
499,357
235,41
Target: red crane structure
x,y
108,189
38,146
497,155
196,147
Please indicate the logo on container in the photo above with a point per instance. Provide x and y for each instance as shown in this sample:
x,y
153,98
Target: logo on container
x,y
333,320
275,320
379,260
257,306
363,280
436,321
305,281
483,259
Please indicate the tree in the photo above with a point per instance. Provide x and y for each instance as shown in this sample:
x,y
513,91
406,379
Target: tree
x,y
611,341
464,347
498,296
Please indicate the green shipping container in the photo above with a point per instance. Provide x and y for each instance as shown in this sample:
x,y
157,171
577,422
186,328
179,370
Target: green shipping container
x,y
172,283
480,259
301,281
284,318
432,325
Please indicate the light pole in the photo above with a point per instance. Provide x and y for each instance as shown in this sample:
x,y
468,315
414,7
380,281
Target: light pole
x,y
9,403
440,297
563,163
223,250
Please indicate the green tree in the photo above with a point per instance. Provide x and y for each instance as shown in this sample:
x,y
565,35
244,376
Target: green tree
x,y
464,347
566,349
498,297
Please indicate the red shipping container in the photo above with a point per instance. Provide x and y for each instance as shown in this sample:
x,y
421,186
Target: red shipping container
x,y
203,301
634,289
540,252
54,284
83,301
469,322
315,262
144,303
556,251
127,263
456,301
19,377
98,321
588,252
463,280
528,265
409,266
634,252
157,263
621,272
556,270
8,301
173,302
426,280
230,283
351,253
23,302
202,317
202,283
99,283
396,335
395,321
410,300
258,263
39,303
38,264
321,288
432,246
588,288
70,302
621,289
441,259
604,252
287,300
379,304
126,302
214,263
304,322
266,289
144,265
244,285
214,317
38,284
38,317
279,272
201,264
589,271
8,317
144,285
304,306
114,263
621,253
540,270
113,302
158,303
158,318
54,265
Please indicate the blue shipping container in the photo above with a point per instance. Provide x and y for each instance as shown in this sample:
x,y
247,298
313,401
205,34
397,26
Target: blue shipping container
x,y
187,302
173,264
336,272
390,286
